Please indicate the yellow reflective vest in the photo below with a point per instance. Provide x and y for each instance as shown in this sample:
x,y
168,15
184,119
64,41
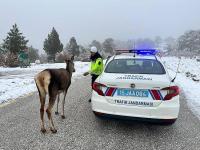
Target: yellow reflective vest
x,y
96,67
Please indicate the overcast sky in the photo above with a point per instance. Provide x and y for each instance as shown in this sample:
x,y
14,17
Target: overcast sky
x,y
98,19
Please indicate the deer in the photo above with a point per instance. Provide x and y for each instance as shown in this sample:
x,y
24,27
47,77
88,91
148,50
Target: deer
x,y
53,82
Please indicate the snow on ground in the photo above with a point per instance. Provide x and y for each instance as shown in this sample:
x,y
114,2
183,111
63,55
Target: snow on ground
x,y
190,88
16,82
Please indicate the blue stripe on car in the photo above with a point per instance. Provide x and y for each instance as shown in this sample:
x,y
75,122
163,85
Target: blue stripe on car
x,y
160,94
107,91
151,94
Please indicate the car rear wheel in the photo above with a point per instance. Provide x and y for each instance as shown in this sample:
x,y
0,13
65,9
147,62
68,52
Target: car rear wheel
x,y
98,114
171,121
167,122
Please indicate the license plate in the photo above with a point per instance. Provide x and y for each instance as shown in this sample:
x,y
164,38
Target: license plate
x,y
133,103
132,92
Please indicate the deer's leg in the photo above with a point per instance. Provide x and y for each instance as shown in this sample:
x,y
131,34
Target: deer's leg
x,y
49,114
63,105
42,102
58,100
52,99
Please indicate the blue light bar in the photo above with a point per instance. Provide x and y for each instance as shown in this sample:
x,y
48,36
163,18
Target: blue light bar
x,y
140,51
144,51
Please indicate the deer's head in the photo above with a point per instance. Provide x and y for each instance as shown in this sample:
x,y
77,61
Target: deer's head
x,y
70,64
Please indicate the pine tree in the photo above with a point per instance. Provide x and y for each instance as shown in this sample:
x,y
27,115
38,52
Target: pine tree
x,y
73,47
1,49
15,41
33,54
97,44
108,45
82,49
52,44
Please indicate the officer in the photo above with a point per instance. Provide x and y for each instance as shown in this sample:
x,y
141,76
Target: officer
x,y
96,66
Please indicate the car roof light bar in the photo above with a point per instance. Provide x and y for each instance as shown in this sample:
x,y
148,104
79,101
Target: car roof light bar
x,y
138,51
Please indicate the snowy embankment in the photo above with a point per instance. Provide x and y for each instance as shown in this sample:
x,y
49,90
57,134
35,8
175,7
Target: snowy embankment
x,y
189,71
16,82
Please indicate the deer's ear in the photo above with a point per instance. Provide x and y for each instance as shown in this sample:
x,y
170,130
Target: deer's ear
x,y
72,58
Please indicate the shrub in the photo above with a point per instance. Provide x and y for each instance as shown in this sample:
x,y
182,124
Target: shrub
x,y
11,60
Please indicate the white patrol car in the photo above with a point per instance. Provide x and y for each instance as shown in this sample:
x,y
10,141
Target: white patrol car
x,y
136,84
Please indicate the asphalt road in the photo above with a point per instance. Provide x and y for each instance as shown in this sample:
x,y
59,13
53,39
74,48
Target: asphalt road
x,y
20,127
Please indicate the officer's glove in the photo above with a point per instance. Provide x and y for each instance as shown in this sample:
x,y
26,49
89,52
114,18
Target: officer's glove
x,y
86,73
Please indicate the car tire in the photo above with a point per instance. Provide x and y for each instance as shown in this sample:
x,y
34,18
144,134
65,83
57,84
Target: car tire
x,y
98,115
169,122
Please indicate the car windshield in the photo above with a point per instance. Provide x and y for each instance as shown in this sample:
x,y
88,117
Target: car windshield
x,y
135,66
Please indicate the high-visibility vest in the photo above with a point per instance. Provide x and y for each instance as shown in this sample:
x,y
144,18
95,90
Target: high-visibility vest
x,y
96,67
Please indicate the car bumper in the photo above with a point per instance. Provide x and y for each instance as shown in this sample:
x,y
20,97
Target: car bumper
x,y
166,110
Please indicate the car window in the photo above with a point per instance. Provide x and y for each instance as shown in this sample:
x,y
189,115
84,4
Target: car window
x,y
135,66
